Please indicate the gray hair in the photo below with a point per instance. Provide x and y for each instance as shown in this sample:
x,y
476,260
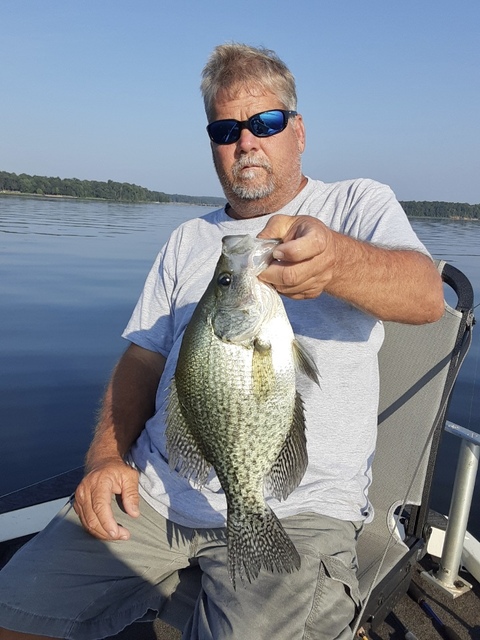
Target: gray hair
x,y
235,66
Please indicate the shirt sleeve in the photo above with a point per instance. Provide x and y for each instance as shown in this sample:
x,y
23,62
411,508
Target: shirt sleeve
x,y
151,323
376,216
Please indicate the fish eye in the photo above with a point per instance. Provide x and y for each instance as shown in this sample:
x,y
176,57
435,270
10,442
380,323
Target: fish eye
x,y
224,279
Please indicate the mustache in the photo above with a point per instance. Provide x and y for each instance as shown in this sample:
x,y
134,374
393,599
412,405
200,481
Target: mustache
x,y
251,161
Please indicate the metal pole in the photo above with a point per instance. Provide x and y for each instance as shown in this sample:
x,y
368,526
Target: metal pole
x,y
447,573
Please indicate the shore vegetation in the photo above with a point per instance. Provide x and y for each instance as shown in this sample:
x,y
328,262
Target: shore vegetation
x,y
11,183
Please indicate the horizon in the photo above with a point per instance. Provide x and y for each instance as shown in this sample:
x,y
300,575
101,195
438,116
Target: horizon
x,y
110,91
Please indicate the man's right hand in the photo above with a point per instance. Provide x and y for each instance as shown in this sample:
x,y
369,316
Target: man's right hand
x,y
128,403
93,498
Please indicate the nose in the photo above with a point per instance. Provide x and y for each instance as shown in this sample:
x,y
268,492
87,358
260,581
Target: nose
x,y
247,142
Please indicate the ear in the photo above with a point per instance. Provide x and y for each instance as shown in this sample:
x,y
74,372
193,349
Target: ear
x,y
299,126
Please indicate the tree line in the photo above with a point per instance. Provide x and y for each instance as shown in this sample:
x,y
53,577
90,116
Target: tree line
x,y
125,192
455,210
110,190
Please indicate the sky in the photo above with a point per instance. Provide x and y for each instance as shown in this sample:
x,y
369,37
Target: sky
x,y
109,89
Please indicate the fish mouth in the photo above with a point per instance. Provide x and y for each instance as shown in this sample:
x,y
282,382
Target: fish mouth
x,y
248,252
262,256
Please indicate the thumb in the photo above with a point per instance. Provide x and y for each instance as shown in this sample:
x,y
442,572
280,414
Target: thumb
x,y
278,227
130,495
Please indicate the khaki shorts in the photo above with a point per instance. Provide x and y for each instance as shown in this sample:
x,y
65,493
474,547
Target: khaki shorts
x,y
67,584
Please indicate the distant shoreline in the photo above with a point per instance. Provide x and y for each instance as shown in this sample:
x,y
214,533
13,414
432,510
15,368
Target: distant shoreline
x,y
55,196
205,203
52,196
110,190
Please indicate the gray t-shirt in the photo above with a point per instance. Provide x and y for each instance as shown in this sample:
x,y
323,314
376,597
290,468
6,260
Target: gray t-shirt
x,y
341,416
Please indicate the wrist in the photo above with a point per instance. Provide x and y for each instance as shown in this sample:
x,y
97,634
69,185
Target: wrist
x,y
94,460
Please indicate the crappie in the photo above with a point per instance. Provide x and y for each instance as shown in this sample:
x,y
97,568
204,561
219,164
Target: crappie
x,y
233,405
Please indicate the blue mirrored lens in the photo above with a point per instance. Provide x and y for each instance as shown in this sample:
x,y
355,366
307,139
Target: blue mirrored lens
x,y
267,124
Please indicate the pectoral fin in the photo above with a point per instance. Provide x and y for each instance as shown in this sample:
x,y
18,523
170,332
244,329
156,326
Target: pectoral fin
x,y
263,374
304,362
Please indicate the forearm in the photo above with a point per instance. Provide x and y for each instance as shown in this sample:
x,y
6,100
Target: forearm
x,y
128,403
398,285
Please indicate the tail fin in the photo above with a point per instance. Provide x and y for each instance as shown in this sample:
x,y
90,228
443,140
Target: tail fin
x,y
258,540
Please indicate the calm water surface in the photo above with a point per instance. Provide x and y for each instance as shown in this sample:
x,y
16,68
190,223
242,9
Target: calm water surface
x,y
70,274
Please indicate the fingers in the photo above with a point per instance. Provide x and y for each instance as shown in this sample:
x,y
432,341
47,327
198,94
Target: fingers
x,y
294,281
304,261
302,237
93,507
93,500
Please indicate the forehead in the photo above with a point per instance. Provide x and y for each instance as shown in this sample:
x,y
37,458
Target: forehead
x,y
243,101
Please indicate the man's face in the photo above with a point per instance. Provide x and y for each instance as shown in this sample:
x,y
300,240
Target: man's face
x,y
266,170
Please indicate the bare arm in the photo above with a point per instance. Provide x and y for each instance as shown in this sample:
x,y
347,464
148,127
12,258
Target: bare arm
x,y
128,403
389,284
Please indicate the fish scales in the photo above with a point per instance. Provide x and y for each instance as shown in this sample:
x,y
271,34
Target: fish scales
x,y
233,405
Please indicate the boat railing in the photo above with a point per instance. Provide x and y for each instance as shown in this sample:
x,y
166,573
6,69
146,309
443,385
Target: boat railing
x,y
446,576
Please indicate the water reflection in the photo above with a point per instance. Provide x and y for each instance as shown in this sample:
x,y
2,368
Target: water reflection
x,y
66,217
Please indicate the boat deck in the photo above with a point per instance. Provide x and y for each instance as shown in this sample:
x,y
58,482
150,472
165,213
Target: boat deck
x,y
462,615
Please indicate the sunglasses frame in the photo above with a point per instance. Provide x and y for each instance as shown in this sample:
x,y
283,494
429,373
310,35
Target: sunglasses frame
x,y
246,124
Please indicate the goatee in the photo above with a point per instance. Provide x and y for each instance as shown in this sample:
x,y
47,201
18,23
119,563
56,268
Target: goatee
x,y
245,184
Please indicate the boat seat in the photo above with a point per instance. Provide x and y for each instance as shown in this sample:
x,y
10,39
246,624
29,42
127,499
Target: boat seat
x,y
418,368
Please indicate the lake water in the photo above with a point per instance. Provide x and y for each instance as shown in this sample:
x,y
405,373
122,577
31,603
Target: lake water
x,y
70,274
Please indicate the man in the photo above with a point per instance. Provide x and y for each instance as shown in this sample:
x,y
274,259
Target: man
x,y
349,259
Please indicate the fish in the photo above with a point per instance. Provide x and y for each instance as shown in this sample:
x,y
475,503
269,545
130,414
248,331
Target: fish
x,y
233,405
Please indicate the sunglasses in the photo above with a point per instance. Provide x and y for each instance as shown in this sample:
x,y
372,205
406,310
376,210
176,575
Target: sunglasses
x,y
262,125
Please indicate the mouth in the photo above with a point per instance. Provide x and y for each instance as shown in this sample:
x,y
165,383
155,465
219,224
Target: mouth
x,y
251,167
244,165
249,171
